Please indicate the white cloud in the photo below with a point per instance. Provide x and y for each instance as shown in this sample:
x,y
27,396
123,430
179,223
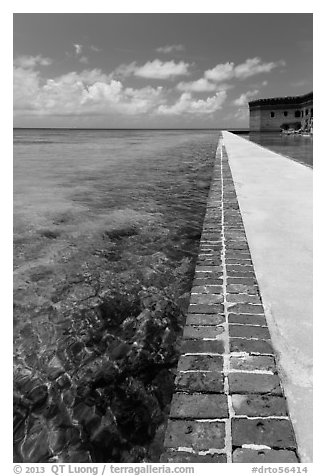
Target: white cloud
x,y
201,85
155,69
88,92
26,84
170,48
92,92
251,67
221,72
31,61
162,70
78,49
254,66
187,105
245,97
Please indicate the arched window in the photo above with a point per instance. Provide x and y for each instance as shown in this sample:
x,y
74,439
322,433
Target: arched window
x,y
297,114
285,113
272,114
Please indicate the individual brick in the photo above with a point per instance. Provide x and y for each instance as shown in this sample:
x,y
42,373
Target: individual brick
x,y
213,215
207,281
234,239
204,255
250,319
273,433
199,405
235,235
243,261
207,382
213,269
251,346
210,248
204,319
246,309
206,298
244,455
206,309
206,236
209,289
185,457
254,383
249,332
233,254
201,362
208,275
211,226
235,267
241,280
241,274
259,405
202,332
209,262
243,298
232,245
241,288
199,435
253,362
233,223
202,346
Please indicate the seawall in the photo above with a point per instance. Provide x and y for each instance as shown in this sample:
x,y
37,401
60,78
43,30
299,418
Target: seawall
x,y
243,387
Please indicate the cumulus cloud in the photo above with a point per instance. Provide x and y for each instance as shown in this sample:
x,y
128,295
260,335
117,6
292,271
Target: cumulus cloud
x,y
87,92
162,70
250,67
31,61
202,85
245,97
221,72
253,66
155,69
187,105
170,48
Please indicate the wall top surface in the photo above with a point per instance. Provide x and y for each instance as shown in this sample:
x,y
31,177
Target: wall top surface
x,y
288,100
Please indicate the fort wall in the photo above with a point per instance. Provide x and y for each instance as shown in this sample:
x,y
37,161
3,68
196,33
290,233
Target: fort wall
x,y
231,403
274,114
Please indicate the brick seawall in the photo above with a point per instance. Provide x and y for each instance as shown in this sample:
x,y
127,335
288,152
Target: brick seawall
x,y
228,405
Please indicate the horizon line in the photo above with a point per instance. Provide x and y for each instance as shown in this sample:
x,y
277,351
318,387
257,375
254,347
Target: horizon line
x,y
134,128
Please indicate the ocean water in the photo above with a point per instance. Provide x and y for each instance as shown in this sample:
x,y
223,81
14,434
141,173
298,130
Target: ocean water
x,y
106,230
294,146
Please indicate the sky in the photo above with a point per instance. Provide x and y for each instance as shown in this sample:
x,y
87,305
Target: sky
x,y
111,70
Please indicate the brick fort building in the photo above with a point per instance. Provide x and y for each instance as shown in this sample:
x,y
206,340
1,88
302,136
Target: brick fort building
x,y
274,114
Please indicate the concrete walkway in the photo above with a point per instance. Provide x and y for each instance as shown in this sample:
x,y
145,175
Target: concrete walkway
x,y
275,199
